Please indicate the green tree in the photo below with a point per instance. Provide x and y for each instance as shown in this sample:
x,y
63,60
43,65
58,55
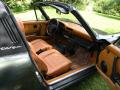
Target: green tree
x,y
111,7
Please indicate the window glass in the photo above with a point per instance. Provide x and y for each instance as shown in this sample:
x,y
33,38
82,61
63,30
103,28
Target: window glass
x,y
52,13
30,15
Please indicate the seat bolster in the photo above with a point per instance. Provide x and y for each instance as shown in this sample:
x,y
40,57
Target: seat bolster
x,y
38,61
41,65
60,70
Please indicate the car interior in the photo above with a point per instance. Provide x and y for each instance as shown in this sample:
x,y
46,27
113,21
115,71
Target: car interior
x,y
62,51
56,54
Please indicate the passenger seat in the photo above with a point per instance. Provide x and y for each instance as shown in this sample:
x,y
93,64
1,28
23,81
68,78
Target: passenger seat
x,y
49,61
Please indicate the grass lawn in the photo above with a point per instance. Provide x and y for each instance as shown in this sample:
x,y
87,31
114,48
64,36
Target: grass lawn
x,y
93,82
109,25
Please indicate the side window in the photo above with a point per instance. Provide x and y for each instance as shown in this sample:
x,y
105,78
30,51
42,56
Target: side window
x,y
118,43
39,15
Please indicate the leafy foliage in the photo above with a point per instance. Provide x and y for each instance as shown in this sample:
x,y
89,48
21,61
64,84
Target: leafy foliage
x,y
17,6
110,7
80,4
21,5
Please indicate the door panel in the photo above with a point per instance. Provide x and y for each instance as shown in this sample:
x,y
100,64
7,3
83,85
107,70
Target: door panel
x,y
118,66
109,65
35,27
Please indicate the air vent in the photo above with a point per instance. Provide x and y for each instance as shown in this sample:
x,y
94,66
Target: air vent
x,y
9,28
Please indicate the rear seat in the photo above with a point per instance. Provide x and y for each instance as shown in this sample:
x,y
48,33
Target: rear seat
x,y
53,62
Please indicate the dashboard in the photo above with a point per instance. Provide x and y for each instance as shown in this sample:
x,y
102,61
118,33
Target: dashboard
x,y
68,36
54,25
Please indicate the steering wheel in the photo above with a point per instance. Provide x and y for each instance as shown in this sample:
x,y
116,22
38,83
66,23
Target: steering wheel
x,y
53,25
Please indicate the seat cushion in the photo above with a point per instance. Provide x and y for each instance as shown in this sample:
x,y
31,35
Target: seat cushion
x,y
56,63
40,44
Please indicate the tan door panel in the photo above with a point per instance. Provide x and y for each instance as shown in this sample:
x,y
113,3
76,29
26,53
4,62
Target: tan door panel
x,y
108,56
118,66
32,27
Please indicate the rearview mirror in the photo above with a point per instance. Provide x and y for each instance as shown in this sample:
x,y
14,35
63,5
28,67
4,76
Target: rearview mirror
x,y
58,12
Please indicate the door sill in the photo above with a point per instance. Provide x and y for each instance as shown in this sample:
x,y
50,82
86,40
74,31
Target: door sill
x,y
71,78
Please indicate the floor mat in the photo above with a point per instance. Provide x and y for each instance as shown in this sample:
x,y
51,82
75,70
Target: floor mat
x,y
81,57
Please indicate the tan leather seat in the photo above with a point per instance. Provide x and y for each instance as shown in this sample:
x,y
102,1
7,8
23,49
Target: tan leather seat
x,y
50,61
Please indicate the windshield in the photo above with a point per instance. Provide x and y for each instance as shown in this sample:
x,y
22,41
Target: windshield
x,y
53,13
99,24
